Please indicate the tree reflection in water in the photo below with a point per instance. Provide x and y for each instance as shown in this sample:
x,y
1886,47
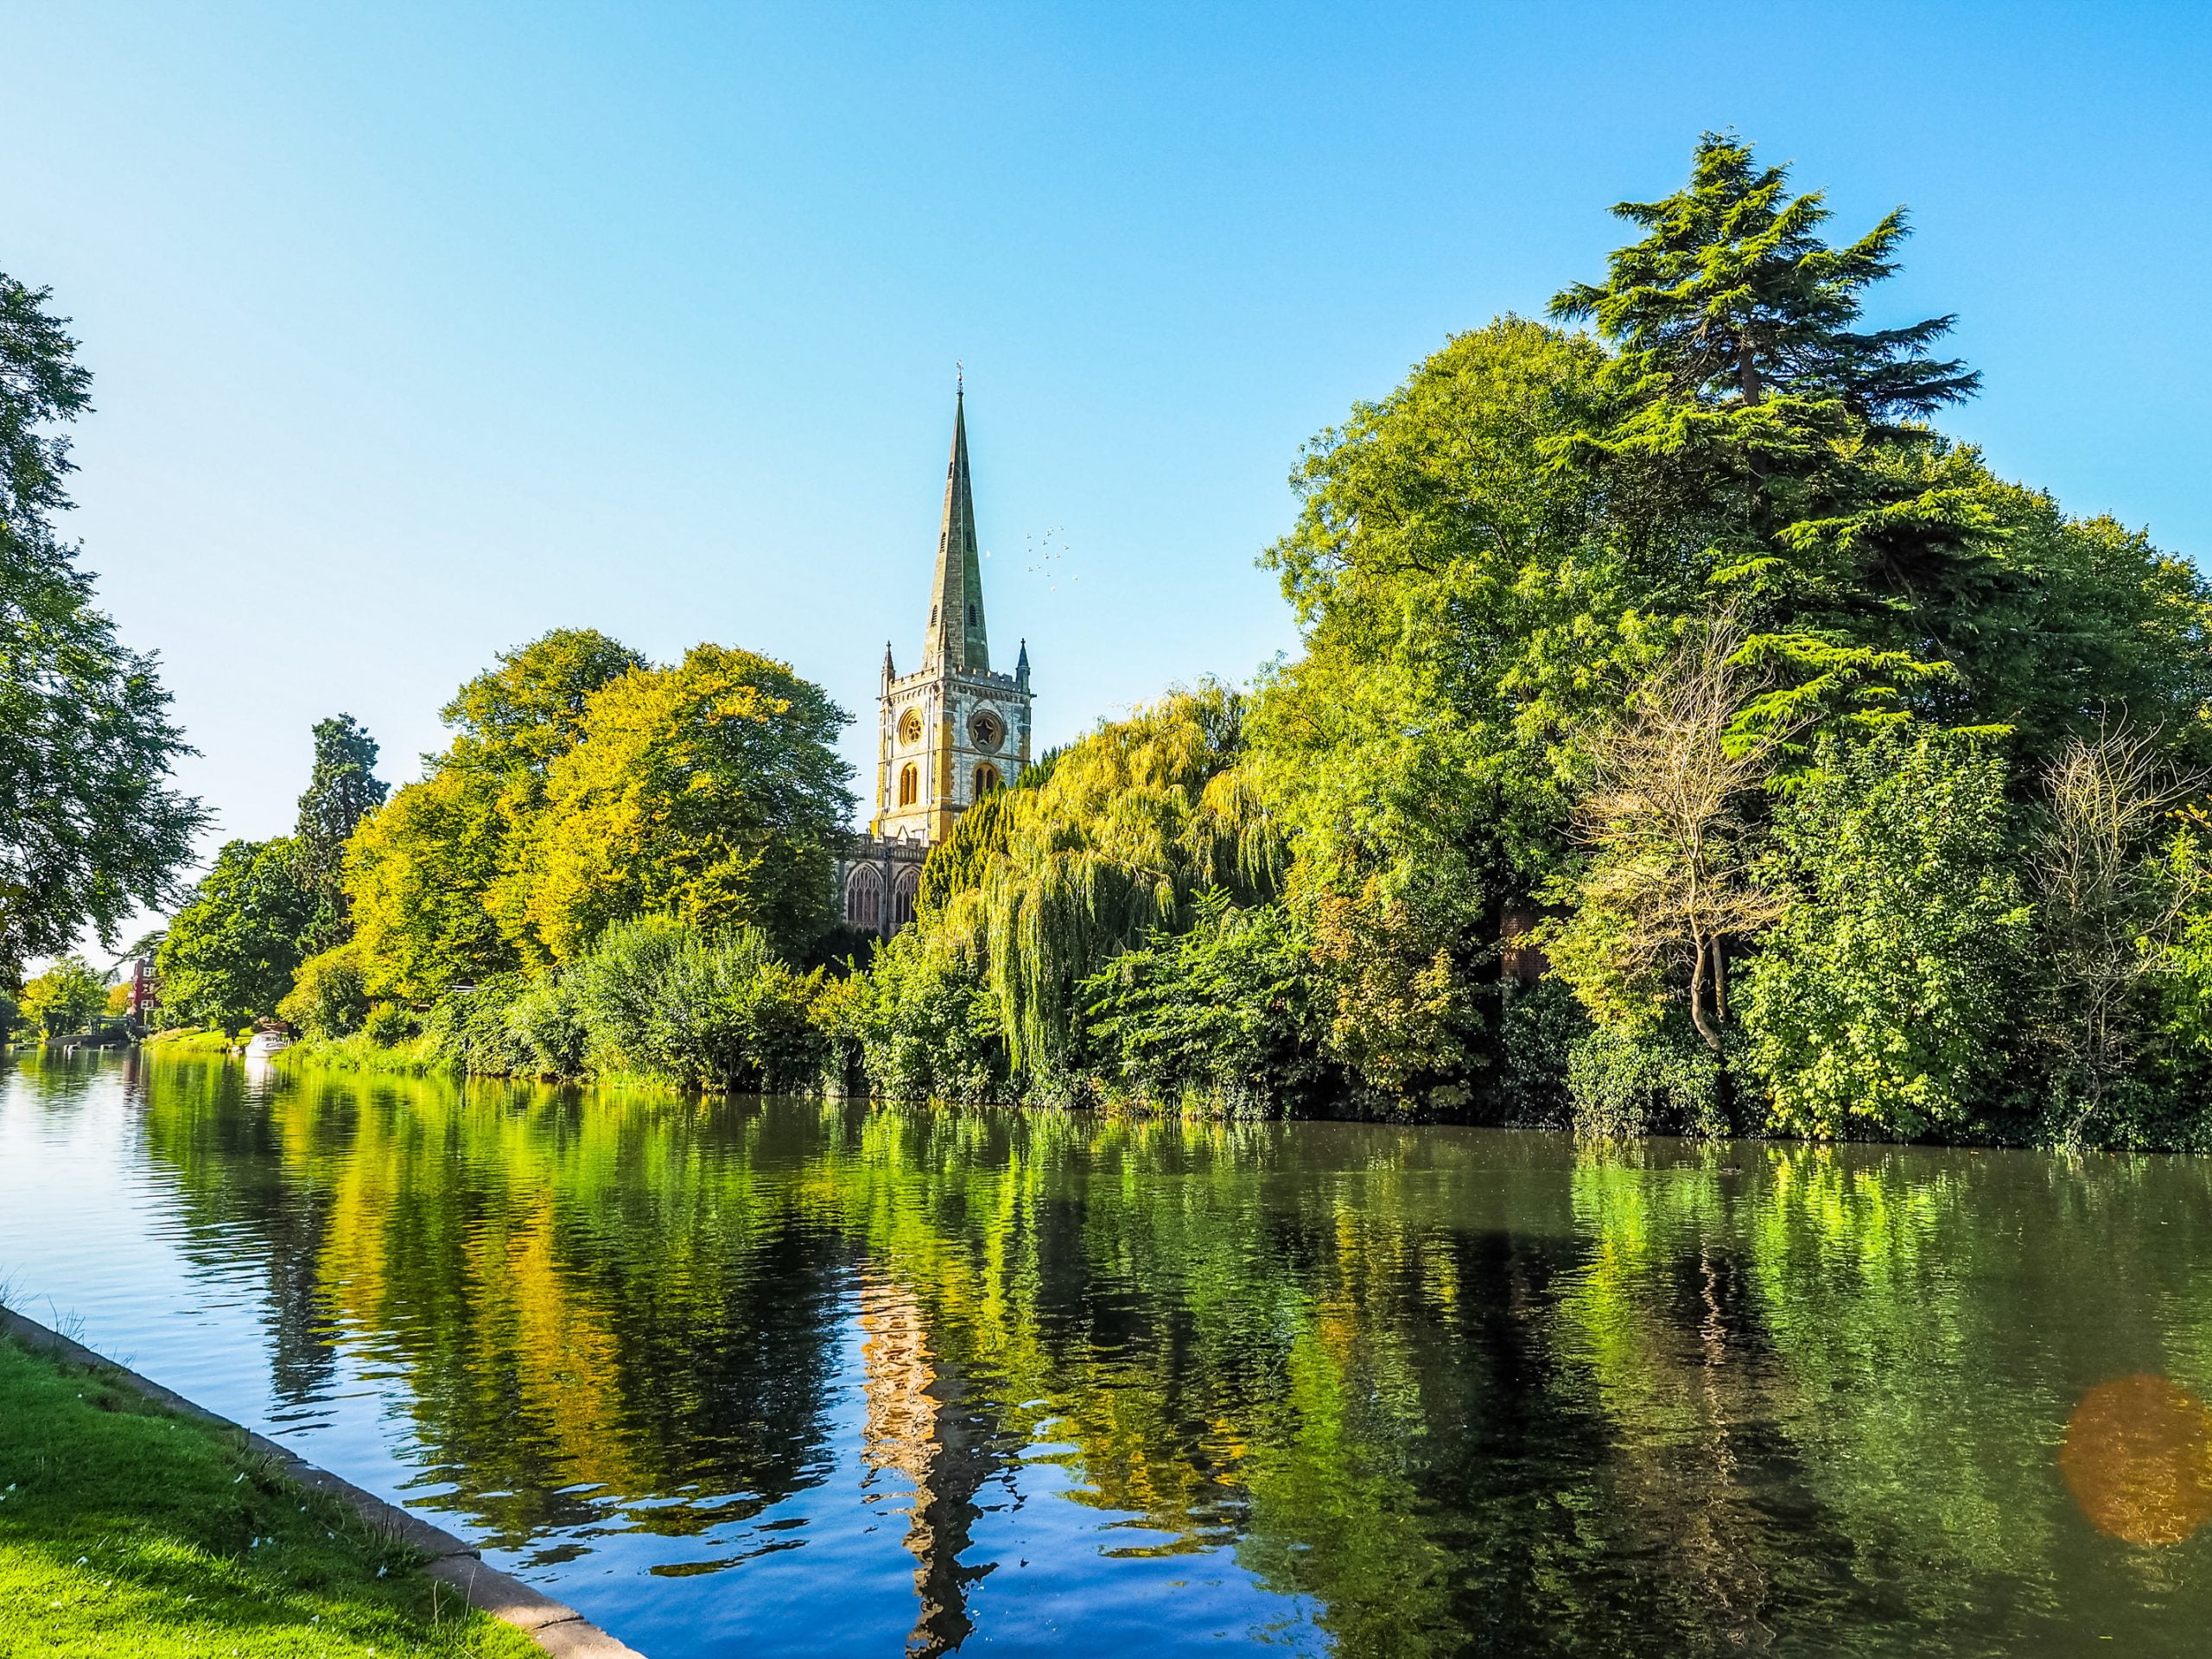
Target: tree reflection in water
x,y
1458,1391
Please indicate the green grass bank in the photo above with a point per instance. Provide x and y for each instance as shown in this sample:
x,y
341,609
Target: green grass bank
x,y
125,1530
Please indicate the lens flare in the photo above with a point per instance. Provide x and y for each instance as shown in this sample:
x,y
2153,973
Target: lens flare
x,y
2138,1458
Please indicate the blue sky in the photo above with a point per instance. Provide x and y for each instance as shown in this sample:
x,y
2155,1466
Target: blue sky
x,y
420,329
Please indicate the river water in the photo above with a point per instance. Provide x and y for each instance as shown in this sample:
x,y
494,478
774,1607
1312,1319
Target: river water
x,y
748,1378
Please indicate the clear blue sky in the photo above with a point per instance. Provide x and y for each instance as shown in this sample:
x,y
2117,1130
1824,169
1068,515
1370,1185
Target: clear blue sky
x,y
421,328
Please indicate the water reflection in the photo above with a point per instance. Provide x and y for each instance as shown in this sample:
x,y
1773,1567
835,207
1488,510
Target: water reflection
x,y
781,1376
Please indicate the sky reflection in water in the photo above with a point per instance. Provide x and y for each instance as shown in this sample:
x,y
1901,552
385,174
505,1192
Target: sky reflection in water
x,y
783,1377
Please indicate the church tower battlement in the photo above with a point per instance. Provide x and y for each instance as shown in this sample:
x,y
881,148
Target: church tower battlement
x,y
949,732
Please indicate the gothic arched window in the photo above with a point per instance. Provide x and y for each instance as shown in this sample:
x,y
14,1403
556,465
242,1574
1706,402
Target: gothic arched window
x,y
864,898
910,784
987,779
903,890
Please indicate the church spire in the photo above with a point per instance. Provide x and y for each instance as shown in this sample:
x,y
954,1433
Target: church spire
x,y
957,637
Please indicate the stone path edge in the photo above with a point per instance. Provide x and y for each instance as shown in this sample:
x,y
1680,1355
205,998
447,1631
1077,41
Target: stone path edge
x,y
558,1628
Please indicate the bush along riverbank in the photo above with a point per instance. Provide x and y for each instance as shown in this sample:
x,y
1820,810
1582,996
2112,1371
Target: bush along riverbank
x,y
1688,736
125,1529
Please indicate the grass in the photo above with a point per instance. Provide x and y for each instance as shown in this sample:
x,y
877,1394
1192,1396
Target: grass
x,y
359,1053
126,1530
184,1041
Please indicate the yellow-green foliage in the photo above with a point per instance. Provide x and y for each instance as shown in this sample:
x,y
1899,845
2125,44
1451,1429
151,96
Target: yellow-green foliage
x,y
707,791
584,787
65,995
329,996
419,871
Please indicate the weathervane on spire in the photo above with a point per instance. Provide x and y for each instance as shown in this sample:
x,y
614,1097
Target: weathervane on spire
x,y
959,379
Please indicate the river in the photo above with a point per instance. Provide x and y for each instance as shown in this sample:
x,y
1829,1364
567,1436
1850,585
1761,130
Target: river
x,y
765,1377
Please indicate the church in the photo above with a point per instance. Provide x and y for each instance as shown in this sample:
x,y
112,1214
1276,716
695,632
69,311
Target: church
x,y
949,732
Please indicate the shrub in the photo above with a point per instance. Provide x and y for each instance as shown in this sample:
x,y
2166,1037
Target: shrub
x,y
389,1025
473,1030
1541,1027
1660,1080
1884,999
664,997
1220,1018
545,1020
921,1023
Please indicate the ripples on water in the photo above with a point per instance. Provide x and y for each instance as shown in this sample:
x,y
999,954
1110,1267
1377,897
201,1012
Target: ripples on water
x,y
748,1378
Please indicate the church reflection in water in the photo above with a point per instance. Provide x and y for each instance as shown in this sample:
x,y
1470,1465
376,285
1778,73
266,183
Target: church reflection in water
x,y
920,1426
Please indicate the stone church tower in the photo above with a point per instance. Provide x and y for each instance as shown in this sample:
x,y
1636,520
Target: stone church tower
x,y
947,734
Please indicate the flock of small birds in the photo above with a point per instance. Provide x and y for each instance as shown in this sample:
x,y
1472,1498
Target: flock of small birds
x,y
1047,559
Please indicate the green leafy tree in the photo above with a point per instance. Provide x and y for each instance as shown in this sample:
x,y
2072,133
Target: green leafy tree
x,y
1887,999
341,790
423,870
90,828
707,791
1461,606
66,996
230,952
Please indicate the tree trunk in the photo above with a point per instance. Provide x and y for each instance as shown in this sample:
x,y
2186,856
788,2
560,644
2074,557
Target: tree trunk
x,y
1705,1029
1747,372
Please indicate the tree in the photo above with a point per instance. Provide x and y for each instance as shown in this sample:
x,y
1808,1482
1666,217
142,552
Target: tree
x,y
424,871
1671,885
329,995
1733,297
1886,999
708,793
1112,846
1460,603
418,870
66,996
230,952
2115,899
90,827
528,711
1770,448
341,790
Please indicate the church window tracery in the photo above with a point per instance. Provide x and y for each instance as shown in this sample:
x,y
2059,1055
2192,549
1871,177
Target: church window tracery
x,y
987,779
864,899
910,784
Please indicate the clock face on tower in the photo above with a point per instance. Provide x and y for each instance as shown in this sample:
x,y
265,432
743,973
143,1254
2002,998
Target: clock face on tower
x,y
987,729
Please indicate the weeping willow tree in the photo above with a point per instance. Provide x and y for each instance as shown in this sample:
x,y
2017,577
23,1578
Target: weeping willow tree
x,y
1040,886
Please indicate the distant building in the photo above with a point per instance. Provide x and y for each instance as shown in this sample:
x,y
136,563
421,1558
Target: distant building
x,y
946,734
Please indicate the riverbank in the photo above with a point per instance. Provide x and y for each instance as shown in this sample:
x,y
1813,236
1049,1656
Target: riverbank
x,y
128,1527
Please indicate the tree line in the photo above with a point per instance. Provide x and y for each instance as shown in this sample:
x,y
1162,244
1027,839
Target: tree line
x,y
1688,734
